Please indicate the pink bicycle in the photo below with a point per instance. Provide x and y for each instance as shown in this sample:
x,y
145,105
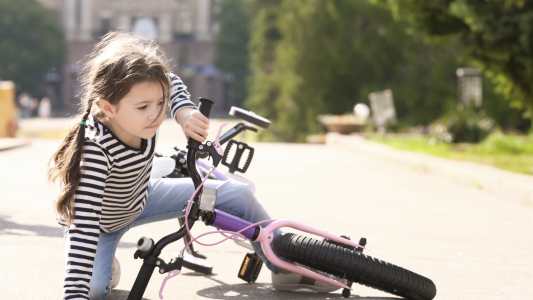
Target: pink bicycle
x,y
335,255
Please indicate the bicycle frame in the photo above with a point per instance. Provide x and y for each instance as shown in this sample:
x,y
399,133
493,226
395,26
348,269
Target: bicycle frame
x,y
229,222
266,235
225,221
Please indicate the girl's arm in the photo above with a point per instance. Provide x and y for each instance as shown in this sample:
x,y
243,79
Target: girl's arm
x,y
193,123
179,97
83,234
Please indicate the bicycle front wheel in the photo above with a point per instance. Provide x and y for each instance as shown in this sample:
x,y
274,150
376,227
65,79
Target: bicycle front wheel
x,y
358,267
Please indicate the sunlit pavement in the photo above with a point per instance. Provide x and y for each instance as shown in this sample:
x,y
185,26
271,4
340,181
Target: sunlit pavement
x,y
473,245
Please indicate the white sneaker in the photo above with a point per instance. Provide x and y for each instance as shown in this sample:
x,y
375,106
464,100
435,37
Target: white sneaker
x,y
115,278
295,281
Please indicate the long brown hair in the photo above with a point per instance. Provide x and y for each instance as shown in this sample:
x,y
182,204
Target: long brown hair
x,y
117,62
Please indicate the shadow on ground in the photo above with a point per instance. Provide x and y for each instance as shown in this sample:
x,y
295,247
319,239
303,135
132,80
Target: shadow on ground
x,y
8,227
251,291
119,295
226,291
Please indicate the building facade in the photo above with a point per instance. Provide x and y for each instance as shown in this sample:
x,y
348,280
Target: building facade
x,y
183,27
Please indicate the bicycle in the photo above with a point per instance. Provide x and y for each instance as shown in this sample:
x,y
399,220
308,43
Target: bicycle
x,y
175,166
336,255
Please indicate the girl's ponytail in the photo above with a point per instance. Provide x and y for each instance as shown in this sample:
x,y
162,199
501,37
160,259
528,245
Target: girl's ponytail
x,y
65,165
118,61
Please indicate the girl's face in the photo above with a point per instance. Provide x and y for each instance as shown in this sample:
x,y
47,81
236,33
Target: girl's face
x,y
138,114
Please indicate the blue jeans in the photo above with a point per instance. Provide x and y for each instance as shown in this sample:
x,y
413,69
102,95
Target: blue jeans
x,y
166,198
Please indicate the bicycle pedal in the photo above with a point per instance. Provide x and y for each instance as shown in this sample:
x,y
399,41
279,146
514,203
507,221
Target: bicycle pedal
x,y
197,254
197,264
250,268
238,150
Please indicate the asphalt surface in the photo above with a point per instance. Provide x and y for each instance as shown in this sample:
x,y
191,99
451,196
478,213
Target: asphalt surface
x,y
472,244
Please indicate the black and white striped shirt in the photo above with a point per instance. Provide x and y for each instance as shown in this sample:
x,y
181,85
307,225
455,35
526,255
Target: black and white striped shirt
x,y
112,192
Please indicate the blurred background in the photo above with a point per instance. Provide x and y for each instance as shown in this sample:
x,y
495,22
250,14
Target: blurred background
x,y
447,77
345,83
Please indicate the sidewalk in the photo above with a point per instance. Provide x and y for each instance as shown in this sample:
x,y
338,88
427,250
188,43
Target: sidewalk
x,y
503,184
472,244
11,143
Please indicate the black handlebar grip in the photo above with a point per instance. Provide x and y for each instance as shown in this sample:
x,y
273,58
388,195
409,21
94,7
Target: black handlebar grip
x,y
205,106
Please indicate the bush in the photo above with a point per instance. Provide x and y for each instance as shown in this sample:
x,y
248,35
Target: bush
x,y
469,125
498,142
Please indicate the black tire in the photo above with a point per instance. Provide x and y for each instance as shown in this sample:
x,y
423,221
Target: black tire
x,y
358,267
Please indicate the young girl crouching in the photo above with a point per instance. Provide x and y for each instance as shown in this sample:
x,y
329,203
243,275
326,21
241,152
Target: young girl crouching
x,y
105,161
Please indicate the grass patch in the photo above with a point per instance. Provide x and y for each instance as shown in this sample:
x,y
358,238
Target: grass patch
x,y
511,153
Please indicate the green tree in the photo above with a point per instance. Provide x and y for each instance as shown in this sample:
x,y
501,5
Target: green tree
x,y
495,35
315,57
231,42
263,86
31,43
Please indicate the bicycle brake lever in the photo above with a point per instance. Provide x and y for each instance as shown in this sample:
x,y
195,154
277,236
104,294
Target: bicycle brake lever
x,y
170,275
217,141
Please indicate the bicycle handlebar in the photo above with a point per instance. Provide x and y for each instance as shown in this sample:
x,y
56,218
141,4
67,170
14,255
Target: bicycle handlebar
x,y
235,131
228,135
205,108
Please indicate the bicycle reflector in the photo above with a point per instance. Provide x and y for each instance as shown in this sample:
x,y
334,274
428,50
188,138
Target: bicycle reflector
x,y
250,268
238,150
208,199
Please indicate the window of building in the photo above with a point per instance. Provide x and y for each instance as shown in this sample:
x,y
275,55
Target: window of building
x,y
105,25
145,27
184,22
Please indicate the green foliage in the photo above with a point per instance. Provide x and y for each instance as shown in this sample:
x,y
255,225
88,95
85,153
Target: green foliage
x,y
496,35
318,57
468,125
263,84
321,57
31,43
231,43
509,152
498,142
506,117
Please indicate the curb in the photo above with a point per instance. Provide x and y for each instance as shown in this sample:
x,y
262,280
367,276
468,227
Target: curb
x,y
12,143
503,184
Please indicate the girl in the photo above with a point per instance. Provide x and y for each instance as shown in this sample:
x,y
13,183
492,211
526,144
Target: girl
x,y
104,164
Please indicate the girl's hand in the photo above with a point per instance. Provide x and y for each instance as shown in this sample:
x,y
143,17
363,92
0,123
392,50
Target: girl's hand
x,y
193,123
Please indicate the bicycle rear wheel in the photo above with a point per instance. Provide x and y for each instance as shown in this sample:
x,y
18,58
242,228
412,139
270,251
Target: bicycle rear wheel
x,y
358,267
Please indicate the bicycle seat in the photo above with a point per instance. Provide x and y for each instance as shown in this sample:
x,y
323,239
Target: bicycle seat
x,y
249,116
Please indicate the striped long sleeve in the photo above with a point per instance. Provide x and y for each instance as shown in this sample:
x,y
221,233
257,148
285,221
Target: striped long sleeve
x,y
179,97
83,234
112,192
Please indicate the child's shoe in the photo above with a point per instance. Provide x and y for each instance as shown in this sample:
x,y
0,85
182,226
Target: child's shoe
x,y
295,281
115,278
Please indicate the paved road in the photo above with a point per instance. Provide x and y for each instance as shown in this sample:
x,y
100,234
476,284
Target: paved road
x,y
472,244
